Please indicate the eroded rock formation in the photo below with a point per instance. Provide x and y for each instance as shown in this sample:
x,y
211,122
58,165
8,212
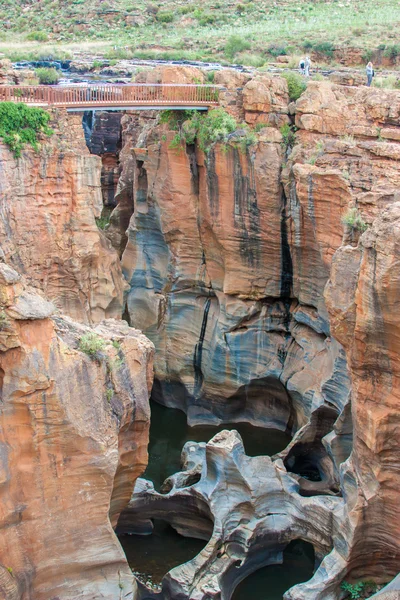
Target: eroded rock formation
x,y
228,257
73,439
49,201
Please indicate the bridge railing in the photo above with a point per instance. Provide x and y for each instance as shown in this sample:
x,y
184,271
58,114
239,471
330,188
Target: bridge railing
x,y
112,95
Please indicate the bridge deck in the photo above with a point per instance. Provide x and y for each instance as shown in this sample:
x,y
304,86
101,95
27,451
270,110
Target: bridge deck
x,y
113,96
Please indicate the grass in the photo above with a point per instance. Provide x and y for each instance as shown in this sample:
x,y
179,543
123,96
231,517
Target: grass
x,y
266,29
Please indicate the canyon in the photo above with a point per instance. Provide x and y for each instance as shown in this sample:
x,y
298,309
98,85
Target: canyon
x,y
261,278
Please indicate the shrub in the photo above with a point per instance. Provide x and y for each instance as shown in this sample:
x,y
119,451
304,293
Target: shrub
x,y
234,45
275,50
287,135
215,126
103,221
210,76
296,85
20,125
90,343
37,36
353,589
250,60
392,51
3,320
354,220
47,76
326,48
165,16
206,19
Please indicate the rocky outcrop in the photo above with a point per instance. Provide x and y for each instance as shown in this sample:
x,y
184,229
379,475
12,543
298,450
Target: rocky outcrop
x,y
49,201
212,284
362,298
73,439
248,272
246,519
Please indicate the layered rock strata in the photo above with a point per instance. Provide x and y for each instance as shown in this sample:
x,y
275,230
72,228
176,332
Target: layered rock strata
x,y
49,202
73,439
229,255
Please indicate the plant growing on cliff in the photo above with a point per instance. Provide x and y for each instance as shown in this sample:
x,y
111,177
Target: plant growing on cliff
x,y
288,135
20,125
207,129
91,344
296,85
354,220
3,320
361,589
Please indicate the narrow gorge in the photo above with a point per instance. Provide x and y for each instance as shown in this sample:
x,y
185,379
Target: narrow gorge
x,y
251,289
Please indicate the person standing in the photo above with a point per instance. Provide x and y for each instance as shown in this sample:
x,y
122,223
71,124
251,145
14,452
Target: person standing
x,y
370,73
307,66
302,66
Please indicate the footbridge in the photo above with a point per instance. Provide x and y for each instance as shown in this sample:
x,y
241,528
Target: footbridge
x,y
114,97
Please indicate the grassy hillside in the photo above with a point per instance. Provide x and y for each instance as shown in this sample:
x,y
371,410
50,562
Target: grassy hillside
x,y
203,29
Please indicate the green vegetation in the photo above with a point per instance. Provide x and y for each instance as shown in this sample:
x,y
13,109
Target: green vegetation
x,y
91,344
109,394
3,320
234,45
20,125
214,126
296,85
47,76
37,36
103,221
165,17
288,135
354,220
263,28
326,48
361,589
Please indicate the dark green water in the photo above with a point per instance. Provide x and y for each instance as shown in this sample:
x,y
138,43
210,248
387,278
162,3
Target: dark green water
x,y
152,556
169,432
270,583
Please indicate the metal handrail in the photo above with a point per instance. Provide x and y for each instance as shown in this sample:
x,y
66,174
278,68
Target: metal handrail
x,y
112,95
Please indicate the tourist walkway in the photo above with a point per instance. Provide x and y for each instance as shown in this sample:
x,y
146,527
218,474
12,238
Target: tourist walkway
x,y
125,96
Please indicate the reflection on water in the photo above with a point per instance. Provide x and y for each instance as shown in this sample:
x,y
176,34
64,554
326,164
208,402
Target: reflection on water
x,y
169,432
152,556
270,583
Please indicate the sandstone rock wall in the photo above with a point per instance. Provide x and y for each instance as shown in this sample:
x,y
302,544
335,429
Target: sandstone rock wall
x,y
211,267
229,256
73,439
49,201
